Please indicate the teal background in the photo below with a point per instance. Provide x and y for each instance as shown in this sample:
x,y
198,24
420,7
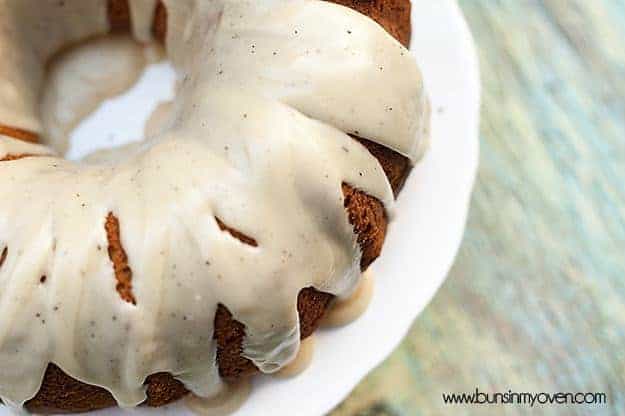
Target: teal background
x,y
536,299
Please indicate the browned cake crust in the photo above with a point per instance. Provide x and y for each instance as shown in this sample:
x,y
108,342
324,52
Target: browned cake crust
x,y
118,15
19,134
117,255
9,158
392,15
60,393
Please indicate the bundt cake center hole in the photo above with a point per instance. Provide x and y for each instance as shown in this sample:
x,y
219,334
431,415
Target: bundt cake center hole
x,y
100,94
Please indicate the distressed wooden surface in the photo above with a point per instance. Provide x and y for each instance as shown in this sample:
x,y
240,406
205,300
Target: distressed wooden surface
x,y
536,299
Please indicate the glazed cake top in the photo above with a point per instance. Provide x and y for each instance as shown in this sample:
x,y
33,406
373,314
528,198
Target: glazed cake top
x,y
257,139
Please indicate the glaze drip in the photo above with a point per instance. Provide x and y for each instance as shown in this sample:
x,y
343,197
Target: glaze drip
x,y
345,311
226,402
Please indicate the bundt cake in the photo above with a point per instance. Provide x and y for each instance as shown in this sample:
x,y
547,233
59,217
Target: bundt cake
x,y
206,252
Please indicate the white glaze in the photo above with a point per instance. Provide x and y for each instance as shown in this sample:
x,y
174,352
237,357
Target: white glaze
x,y
25,49
346,311
301,362
241,146
119,61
